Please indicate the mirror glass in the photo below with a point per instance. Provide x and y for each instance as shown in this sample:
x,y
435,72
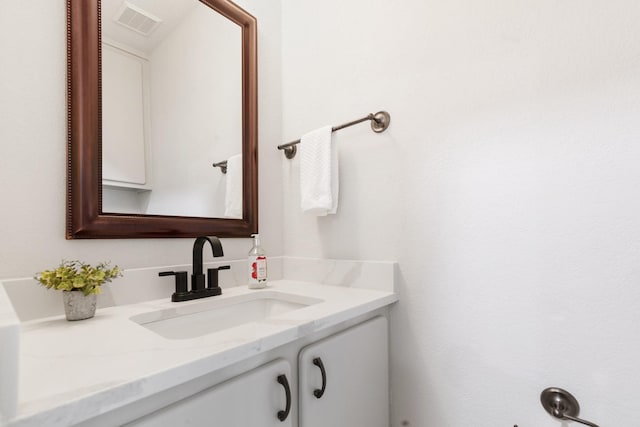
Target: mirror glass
x,y
158,91
171,108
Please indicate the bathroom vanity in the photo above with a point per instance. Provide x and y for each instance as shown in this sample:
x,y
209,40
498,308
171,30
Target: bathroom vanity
x,y
354,390
299,353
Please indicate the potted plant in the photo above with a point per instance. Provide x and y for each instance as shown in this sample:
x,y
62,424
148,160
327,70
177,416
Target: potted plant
x,y
81,284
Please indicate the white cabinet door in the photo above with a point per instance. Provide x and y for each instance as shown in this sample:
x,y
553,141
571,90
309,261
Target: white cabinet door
x,y
253,399
123,117
356,386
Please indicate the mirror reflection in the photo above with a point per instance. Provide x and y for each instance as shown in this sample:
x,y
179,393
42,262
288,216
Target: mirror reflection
x,y
171,107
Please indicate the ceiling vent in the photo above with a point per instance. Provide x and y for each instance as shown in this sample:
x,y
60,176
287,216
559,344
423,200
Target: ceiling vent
x,y
136,19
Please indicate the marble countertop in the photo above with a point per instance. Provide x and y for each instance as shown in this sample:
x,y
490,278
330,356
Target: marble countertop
x,y
72,371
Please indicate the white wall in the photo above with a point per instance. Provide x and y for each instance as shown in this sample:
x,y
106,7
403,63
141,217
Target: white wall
x,y
506,187
33,147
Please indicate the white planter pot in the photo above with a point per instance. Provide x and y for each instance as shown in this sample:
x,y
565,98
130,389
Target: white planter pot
x,y
77,306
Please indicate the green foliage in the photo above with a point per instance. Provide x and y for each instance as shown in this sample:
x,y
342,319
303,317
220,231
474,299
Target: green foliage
x,y
78,276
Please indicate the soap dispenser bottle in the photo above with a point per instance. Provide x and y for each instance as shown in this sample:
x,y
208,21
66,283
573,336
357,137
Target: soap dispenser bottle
x,y
257,261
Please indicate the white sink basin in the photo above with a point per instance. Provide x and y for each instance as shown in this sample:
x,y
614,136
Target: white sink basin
x,y
214,314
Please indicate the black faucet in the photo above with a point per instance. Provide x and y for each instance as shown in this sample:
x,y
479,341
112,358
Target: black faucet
x,y
198,289
197,278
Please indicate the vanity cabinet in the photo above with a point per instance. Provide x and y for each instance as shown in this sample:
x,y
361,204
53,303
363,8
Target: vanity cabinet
x,y
353,393
255,398
343,380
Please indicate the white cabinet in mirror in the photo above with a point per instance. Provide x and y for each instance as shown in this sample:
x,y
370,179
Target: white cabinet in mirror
x,y
172,106
125,115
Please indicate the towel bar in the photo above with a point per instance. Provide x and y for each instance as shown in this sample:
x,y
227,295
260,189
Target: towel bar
x,y
222,165
379,123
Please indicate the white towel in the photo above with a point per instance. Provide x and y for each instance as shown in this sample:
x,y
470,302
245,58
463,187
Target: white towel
x,y
318,173
233,196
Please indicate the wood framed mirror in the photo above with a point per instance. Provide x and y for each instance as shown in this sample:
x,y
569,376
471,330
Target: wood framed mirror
x,y
85,216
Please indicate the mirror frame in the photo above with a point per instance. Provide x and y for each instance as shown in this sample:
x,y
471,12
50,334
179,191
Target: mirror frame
x,y
85,219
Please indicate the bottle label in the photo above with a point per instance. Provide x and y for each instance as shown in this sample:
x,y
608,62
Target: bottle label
x,y
259,269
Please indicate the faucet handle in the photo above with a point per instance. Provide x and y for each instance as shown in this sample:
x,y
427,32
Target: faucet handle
x,y
181,283
212,276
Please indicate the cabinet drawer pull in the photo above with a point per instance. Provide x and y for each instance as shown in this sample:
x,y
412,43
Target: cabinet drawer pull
x,y
282,415
319,392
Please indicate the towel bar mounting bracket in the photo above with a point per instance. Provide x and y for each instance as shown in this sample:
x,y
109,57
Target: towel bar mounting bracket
x,y
380,121
562,405
290,152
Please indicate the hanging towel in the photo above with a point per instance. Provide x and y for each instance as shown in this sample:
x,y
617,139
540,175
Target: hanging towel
x,y
233,196
318,173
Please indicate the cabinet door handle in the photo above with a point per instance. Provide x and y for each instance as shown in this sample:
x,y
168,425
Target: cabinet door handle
x,y
319,392
282,415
